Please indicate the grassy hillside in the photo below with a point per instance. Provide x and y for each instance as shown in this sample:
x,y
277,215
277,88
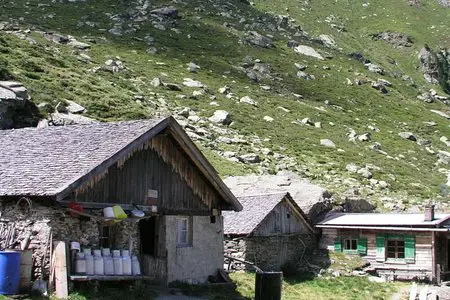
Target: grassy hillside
x,y
211,34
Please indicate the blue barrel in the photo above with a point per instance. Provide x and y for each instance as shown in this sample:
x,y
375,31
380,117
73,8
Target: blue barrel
x,y
9,272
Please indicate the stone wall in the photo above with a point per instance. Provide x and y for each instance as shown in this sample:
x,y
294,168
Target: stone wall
x,y
38,221
203,258
269,253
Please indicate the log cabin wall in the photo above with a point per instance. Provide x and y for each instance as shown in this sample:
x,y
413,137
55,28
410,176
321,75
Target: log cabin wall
x,y
157,165
420,268
281,220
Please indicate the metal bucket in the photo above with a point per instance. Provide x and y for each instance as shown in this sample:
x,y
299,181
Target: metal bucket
x,y
26,268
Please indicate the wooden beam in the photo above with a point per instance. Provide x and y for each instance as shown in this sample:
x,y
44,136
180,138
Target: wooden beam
x,y
433,257
99,205
61,289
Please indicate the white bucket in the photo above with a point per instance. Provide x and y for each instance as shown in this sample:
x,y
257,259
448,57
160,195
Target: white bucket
x,y
108,212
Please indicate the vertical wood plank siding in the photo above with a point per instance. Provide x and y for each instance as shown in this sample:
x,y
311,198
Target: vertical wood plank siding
x,y
278,222
158,165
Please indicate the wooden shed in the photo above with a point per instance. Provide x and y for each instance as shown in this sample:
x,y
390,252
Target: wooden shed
x,y
270,232
151,164
400,246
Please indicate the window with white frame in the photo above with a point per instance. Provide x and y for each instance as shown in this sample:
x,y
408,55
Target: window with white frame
x,y
184,232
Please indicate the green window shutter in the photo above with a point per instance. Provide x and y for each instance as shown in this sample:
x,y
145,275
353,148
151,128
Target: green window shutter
x,y
362,246
380,244
410,248
337,245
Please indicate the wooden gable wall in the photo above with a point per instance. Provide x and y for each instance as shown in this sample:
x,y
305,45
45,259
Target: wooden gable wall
x,y
283,219
152,168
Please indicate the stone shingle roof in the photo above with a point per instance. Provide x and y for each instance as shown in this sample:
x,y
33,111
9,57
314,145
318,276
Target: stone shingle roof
x,y
45,161
255,209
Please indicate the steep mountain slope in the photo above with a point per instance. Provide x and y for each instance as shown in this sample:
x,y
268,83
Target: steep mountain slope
x,y
330,115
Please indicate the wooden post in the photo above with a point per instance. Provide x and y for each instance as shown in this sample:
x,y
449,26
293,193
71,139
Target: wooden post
x,y
433,256
61,289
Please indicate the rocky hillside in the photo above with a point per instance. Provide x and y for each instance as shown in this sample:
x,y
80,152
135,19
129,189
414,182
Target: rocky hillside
x,y
349,94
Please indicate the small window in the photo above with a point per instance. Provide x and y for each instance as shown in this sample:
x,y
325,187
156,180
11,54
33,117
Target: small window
x,y
351,244
395,248
107,234
184,232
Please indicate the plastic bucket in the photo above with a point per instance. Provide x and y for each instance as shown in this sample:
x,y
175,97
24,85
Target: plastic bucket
x,y
9,272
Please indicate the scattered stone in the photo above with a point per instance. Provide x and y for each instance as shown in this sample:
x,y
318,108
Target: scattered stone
x,y
74,108
192,83
327,40
250,158
408,136
303,75
225,90
300,67
397,39
441,113
327,143
248,100
268,119
364,172
221,117
380,87
167,11
374,68
352,168
308,51
193,68
445,140
254,38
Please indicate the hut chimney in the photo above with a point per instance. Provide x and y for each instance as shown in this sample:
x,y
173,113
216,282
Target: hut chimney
x,y
429,212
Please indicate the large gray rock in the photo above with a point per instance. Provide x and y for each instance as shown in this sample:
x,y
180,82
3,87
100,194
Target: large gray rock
x,y
397,39
435,65
407,135
221,117
314,200
254,38
16,110
308,51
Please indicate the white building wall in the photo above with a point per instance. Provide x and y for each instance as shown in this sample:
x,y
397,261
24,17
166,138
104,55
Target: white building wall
x,y
194,264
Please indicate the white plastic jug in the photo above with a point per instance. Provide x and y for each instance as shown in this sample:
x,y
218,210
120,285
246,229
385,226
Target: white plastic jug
x,y
118,265
106,252
89,264
135,266
126,263
108,212
80,264
108,265
97,252
99,267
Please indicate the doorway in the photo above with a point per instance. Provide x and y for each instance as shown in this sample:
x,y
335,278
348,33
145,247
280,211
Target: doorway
x,y
147,234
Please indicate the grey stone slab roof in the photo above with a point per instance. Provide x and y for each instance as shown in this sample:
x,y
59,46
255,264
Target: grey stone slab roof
x,y
255,209
45,161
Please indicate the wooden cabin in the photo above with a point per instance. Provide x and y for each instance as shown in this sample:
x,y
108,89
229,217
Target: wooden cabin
x,y
269,232
400,246
151,164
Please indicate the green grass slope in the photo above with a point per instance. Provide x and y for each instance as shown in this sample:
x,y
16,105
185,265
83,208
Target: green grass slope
x,y
210,33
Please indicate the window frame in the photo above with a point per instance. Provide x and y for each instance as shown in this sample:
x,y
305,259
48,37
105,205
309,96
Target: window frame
x,y
187,232
398,249
350,240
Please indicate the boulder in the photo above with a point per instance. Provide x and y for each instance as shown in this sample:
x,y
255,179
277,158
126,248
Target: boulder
x,y
248,100
167,11
268,119
397,39
221,117
327,40
435,66
192,83
308,51
16,110
250,158
254,38
374,68
407,135
313,199
327,143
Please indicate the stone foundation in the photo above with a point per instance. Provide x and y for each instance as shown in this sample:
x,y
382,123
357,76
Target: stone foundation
x,y
40,220
269,253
